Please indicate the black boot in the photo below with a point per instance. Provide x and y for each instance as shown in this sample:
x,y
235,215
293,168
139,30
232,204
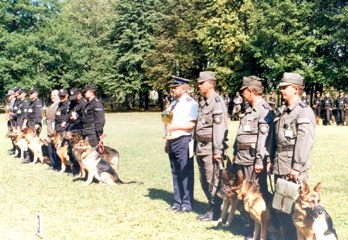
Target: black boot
x,y
208,216
26,157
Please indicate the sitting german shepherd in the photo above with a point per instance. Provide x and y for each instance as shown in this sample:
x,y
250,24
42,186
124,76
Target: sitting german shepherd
x,y
35,145
16,135
232,181
310,218
256,206
96,166
109,154
62,151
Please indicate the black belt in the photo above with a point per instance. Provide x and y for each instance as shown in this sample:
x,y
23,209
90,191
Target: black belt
x,y
245,146
285,148
88,125
204,139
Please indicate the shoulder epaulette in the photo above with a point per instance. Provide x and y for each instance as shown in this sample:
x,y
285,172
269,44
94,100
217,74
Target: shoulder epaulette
x,y
302,104
188,99
217,99
265,106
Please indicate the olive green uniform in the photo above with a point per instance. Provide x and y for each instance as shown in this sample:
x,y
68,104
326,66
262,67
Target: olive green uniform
x,y
211,136
253,143
295,130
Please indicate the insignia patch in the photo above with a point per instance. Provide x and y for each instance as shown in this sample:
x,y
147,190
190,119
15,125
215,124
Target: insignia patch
x,y
218,119
264,128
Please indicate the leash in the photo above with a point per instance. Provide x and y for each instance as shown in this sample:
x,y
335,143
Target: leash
x,y
100,145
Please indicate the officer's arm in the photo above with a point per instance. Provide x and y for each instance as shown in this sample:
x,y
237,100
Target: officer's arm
x,y
220,129
38,116
304,139
99,117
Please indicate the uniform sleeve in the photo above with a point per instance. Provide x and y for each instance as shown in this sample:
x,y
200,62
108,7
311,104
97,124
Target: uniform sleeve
x,y
220,127
304,140
25,109
264,137
99,116
38,116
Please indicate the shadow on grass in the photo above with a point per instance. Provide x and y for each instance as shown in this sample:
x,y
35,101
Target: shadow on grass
x,y
198,207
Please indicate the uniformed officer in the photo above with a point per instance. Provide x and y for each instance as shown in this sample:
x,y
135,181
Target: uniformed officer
x,y
77,103
317,106
341,102
62,113
50,118
328,105
11,117
272,101
305,98
34,112
294,132
185,110
93,116
211,137
22,108
253,146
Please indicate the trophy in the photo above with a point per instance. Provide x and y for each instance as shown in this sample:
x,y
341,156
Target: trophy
x,y
167,117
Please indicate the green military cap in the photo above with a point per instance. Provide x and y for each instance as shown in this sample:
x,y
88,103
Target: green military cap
x,y
291,78
251,81
206,76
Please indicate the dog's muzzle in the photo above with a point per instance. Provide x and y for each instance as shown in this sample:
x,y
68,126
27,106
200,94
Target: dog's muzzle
x,y
226,192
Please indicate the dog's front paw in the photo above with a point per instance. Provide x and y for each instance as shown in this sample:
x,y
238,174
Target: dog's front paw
x,y
219,222
227,224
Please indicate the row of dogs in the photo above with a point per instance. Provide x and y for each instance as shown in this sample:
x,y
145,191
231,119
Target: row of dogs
x,y
100,166
309,217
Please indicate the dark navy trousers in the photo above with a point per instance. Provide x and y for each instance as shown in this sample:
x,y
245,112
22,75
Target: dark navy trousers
x,y
182,171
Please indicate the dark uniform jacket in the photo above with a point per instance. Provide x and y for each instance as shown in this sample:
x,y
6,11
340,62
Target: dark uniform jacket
x,y
212,126
294,131
21,111
341,102
34,113
62,115
76,109
93,117
305,100
317,102
328,102
253,142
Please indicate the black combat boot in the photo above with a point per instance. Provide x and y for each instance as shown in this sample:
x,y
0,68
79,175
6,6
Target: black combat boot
x,y
26,157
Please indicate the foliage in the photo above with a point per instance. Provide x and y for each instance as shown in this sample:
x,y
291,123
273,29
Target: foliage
x,y
127,48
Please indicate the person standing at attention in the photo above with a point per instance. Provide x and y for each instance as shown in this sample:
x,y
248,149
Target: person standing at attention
x,y
185,110
211,137
50,119
294,134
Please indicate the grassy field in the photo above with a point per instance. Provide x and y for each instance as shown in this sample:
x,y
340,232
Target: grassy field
x,y
72,211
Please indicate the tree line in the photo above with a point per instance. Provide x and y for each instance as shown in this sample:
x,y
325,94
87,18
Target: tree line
x,y
127,48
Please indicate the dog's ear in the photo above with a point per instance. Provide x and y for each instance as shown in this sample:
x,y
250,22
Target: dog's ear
x,y
304,190
86,140
317,187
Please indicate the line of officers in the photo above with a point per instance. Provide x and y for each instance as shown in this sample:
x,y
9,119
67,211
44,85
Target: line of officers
x,y
76,111
266,142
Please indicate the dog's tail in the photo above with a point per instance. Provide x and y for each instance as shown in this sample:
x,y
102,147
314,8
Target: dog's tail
x,y
119,181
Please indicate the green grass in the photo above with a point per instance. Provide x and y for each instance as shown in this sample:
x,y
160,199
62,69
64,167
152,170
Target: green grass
x,y
72,211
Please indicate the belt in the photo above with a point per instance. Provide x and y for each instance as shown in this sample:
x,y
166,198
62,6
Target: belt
x,y
245,146
285,148
88,125
204,139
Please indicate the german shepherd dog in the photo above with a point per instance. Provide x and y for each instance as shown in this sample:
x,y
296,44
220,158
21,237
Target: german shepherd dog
x,y
232,181
109,154
256,206
62,151
310,218
96,166
16,135
35,145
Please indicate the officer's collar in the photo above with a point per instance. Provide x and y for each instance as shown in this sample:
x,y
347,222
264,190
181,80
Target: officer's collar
x,y
292,106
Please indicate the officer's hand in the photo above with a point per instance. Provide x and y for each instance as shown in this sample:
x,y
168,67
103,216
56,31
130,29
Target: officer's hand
x,y
217,158
166,148
258,168
294,174
63,124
